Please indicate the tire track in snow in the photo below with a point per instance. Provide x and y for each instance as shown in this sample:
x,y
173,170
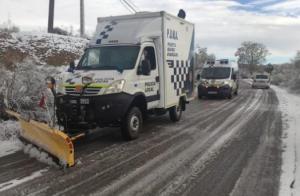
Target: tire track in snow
x,y
116,152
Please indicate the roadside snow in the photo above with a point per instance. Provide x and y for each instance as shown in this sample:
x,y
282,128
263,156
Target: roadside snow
x,y
12,183
39,46
9,143
289,105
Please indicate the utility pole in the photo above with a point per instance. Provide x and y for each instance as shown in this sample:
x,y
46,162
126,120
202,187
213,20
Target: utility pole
x,y
51,16
82,18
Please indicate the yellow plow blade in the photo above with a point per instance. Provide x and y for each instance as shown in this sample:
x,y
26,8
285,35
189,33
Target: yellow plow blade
x,y
51,140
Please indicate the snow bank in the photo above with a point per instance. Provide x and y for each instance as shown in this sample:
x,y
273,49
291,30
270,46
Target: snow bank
x,y
290,107
9,143
43,48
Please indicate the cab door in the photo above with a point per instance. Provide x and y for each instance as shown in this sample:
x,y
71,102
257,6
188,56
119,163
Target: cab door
x,y
149,79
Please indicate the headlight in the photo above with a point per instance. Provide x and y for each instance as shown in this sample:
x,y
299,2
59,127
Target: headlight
x,y
115,87
225,83
203,82
87,80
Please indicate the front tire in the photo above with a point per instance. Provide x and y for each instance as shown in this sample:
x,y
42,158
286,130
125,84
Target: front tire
x,y
132,124
230,94
236,92
175,112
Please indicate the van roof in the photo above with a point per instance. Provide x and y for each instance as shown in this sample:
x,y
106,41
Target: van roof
x,y
222,63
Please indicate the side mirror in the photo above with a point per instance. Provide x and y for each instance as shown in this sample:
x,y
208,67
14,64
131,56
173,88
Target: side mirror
x,y
145,68
71,67
234,76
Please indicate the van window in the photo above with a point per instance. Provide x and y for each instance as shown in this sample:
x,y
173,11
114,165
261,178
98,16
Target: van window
x,y
150,55
262,77
216,73
109,58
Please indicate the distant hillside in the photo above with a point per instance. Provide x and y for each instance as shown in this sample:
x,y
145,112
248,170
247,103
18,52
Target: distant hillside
x,y
50,49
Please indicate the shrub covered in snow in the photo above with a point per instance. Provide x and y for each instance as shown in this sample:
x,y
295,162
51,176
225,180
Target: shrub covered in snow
x,y
9,130
288,75
23,86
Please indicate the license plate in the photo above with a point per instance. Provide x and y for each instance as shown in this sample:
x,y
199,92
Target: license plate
x,y
212,92
84,101
73,101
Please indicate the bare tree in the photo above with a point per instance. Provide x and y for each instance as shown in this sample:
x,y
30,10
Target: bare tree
x,y
252,54
202,56
297,60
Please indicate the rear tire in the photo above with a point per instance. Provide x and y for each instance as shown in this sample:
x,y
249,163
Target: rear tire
x,y
175,112
230,94
132,124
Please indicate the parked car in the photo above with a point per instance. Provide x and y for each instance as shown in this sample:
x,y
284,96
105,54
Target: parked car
x,y
261,80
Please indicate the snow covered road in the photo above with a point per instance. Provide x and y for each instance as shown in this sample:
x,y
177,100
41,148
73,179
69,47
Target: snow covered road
x,y
290,107
220,147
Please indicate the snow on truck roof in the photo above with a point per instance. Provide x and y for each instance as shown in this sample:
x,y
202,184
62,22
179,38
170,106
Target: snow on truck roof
x,y
130,29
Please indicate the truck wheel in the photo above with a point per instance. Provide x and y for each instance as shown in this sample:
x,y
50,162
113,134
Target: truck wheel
x,y
132,124
175,112
230,94
199,96
236,92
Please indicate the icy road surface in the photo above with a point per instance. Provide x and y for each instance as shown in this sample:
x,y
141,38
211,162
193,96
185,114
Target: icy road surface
x,y
220,147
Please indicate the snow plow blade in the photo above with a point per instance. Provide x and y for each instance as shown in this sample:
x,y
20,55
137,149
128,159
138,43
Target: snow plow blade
x,y
51,140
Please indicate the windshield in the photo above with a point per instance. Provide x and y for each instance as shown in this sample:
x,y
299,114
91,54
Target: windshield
x,y
109,57
216,73
261,77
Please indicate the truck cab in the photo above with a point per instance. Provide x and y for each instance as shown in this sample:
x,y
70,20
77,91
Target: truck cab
x,y
134,66
219,78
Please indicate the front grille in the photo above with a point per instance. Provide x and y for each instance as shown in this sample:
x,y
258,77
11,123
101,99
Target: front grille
x,y
87,91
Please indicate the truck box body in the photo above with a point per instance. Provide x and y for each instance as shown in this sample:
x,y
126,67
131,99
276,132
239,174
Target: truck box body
x,y
174,43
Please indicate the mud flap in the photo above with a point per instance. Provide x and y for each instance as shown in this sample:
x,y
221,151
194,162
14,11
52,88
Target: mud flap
x,y
51,140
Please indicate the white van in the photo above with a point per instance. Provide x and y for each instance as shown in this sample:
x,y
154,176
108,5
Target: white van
x,y
134,65
261,80
219,77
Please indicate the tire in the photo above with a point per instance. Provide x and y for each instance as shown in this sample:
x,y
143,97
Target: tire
x,y
175,112
236,92
230,94
199,96
132,124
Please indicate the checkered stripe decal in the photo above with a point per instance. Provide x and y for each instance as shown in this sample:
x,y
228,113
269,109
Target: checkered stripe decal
x,y
105,33
179,75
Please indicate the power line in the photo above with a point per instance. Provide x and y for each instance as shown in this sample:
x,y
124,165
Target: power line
x,y
128,6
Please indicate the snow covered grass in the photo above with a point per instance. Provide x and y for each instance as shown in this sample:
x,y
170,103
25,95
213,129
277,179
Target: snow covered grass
x,y
43,48
289,105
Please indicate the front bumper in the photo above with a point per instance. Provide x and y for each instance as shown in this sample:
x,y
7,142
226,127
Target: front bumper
x,y
260,85
82,112
213,90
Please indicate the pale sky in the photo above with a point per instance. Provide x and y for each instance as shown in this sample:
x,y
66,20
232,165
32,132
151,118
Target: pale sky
x,y
221,25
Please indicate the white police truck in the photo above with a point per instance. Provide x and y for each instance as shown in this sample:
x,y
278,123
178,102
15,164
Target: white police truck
x,y
135,65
